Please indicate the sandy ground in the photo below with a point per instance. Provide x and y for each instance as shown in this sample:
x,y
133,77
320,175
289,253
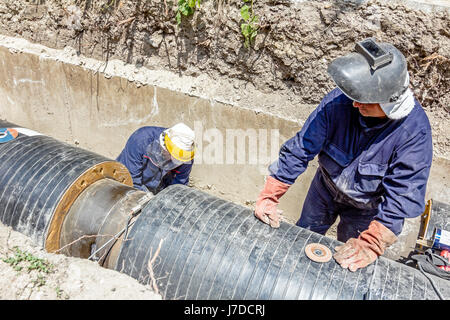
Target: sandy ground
x,y
55,276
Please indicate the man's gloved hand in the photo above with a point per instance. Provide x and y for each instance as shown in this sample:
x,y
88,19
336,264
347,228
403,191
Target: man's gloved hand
x,y
266,204
360,252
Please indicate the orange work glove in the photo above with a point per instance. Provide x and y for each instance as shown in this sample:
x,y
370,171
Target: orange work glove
x,y
266,204
359,253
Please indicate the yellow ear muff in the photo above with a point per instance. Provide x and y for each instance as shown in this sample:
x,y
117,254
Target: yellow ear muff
x,y
177,153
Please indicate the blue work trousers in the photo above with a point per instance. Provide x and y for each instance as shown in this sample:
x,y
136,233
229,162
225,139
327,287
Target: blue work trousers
x,y
320,211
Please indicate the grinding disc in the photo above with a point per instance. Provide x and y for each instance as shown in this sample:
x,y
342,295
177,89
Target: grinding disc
x,y
318,252
7,134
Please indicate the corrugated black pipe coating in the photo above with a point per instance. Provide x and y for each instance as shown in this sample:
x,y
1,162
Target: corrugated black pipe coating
x,y
214,249
35,173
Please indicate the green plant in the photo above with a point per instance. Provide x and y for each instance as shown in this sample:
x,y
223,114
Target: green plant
x,y
109,4
60,294
21,257
186,8
249,28
39,281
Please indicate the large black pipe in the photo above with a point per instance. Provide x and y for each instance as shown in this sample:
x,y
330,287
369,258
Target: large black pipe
x,y
210,248
40,178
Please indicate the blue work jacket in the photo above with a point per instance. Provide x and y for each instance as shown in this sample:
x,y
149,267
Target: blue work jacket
x,y
380,164
147,176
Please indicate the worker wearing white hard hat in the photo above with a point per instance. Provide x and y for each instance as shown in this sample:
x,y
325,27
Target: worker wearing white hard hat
x,y
158,157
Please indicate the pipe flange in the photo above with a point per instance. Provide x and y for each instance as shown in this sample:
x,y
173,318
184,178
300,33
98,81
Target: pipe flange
x,y
318,252
109,169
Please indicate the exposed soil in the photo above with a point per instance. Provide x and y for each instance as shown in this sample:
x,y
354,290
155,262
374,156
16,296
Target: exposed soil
x,y
287,61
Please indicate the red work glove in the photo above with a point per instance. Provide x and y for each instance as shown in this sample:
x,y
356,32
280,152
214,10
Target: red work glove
x,y
359,253
266,204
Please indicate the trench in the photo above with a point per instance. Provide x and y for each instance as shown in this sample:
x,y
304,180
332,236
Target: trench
x,y
88,109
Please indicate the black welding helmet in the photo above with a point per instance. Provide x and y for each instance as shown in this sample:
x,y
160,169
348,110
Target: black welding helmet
x,y
375,73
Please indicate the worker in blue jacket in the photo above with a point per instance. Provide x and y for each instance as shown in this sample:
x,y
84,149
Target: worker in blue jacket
x,y
374,147
158,157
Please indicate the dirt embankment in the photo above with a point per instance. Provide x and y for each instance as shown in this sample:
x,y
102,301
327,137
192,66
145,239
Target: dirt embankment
x,y
294,44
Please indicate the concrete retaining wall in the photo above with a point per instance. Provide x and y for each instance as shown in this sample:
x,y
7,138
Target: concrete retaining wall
x,y
99,111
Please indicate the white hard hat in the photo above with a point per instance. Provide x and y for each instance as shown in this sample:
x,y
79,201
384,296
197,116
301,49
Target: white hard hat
x,y
179,141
